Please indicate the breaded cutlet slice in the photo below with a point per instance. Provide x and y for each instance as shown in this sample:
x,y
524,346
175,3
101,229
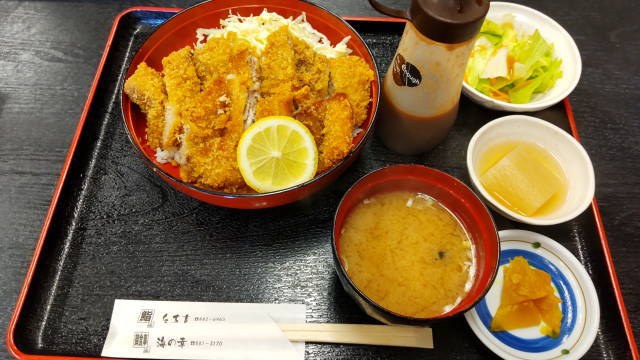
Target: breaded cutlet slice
x,y
213,127
146,89
277,72
182,85
352,76
275,104
312,116
224,56
206,113
231,57
277,63
312,74
337,131
331,123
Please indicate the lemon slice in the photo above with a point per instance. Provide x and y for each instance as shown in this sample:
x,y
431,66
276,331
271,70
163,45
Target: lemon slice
x,y
277,152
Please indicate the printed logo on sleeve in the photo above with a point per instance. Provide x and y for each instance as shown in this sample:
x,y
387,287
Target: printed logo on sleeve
x,y
405,73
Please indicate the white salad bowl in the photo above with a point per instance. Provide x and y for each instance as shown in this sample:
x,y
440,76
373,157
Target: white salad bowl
x,y
571,156
527,20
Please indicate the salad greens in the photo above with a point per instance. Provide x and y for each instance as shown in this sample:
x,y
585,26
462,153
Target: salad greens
x,y
511,66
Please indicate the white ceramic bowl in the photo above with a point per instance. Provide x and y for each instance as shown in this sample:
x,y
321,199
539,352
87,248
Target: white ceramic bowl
x,y
527,20
570,154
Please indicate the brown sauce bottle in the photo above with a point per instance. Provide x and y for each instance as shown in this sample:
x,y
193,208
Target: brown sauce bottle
x,y
421,89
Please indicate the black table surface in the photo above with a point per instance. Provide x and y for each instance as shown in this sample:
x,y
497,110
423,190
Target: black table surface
x,y
49,52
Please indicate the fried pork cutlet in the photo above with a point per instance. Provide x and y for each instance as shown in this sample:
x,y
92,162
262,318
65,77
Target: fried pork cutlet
x,y
277,63
214,121
277,69
231,57
330,121
352,76
210,148
312,116
312,74
146,89
182,84
276,104
337,132
228,55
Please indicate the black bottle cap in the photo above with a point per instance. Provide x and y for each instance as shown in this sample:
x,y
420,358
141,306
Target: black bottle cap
x,y
448,21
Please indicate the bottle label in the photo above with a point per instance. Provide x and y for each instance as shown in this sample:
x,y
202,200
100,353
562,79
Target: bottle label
x,y
405,73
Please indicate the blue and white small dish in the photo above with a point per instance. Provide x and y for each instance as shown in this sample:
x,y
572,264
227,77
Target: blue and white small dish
x,y
580,306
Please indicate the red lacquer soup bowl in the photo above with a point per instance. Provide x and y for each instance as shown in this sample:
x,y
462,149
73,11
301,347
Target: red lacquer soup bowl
x,y
452,194
180,31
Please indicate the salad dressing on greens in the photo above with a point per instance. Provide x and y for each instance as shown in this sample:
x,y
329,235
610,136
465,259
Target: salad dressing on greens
x,y
511,66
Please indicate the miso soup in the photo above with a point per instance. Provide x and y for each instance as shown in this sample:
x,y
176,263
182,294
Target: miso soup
x,y
407,253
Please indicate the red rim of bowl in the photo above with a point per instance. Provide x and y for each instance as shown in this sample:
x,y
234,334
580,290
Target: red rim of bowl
x,y
457,310
358,146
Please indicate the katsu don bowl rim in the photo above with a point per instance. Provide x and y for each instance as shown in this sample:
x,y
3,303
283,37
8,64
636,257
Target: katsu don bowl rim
x,y
358,146
492,269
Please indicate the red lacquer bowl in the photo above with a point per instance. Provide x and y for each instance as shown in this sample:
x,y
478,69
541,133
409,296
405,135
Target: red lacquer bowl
x,y
180,30
451,193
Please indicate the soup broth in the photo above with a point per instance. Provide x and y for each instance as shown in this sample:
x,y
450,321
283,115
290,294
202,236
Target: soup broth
x,y
407,253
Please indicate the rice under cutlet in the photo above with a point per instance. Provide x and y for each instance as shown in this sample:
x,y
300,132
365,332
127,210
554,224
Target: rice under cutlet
x,y
182,85
146,89
352,76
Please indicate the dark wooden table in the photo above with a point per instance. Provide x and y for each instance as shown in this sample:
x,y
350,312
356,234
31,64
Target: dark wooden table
x,y
49,51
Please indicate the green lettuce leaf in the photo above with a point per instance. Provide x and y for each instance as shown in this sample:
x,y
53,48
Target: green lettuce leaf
x,y
533,68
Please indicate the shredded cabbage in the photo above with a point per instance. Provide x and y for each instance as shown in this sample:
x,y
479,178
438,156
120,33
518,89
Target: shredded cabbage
x,y
256,29
530,67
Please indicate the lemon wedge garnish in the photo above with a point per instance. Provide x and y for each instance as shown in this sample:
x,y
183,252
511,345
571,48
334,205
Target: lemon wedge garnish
x,y
277,152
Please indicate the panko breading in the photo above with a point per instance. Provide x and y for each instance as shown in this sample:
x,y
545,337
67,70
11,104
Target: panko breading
x,y
217,117
312,116
277,70
352,76
337,131
330,121
312,74
277,64
211,163
182,84
277,104
146,88
228,55
212,129
207,112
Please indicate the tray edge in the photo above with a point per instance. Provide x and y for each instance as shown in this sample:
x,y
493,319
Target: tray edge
x,y
604,243
11,345
10,341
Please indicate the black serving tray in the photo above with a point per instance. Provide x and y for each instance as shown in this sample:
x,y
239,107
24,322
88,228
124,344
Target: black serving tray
x,y
117,231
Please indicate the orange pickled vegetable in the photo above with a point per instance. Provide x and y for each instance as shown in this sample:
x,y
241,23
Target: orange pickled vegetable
x,y
550,313
527,298
515,316
522,282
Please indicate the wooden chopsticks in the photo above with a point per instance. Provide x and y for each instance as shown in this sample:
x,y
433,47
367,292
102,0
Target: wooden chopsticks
x,y
389,335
